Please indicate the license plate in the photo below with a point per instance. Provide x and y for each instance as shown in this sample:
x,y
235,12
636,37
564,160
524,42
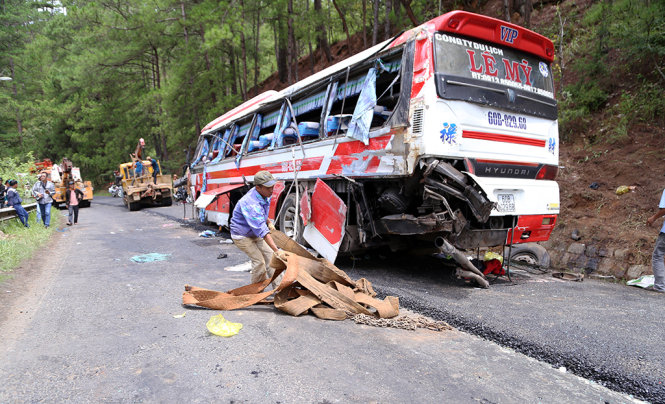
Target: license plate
x,y
506,203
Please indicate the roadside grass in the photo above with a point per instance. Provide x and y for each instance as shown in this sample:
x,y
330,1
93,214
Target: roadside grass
x,y
20,243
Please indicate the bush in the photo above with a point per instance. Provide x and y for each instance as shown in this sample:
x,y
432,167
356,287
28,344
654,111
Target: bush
x,y
18,168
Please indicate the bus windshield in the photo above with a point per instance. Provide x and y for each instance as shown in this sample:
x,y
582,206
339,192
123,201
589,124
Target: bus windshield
x,y
481,72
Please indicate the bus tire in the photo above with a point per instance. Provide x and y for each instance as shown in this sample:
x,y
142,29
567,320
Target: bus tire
x,y
168,201
531,254
287,217
134,206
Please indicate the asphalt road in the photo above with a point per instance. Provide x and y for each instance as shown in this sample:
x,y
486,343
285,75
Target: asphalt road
x,y
81,322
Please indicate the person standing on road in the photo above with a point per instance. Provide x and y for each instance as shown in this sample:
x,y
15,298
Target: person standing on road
x,y
250,226
73,197
658,257
14,200
43,190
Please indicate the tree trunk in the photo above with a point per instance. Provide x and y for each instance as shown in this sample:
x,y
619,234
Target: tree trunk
x,y
375,26
386,30
206,57
256,51
409,12
506,9
232,60
321,36
19,122
293,46
309,44
344,26
365,24
528,6
243,52
281,41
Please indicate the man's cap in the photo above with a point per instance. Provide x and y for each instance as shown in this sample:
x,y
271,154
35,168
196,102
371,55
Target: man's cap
x,y
71,182
264,178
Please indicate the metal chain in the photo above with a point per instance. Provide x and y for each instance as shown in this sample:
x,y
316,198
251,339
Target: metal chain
x,y
404,322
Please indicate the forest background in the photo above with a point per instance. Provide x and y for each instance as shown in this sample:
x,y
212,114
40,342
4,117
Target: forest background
x,y
89,78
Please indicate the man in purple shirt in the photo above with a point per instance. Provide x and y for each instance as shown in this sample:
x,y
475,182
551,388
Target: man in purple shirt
x,y
250,226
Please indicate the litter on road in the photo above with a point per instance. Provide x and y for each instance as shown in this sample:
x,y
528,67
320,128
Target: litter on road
x,y
568,276
644,281
226,241
179,315
244,267
152,257
218,325
309,284
207,234
222,255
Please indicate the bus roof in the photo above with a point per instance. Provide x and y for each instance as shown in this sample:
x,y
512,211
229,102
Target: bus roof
x,y
487,28
459,22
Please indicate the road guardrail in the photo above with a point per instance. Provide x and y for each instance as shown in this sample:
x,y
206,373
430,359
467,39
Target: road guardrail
x,y
10,213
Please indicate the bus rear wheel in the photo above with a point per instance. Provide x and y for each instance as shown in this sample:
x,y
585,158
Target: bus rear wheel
x,y
287,219
531,254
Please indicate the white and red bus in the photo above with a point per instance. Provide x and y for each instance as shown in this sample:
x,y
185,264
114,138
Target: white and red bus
x,y
449,129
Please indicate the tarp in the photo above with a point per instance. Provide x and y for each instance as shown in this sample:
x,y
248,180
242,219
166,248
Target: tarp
x,y
362,115
208,196
308,284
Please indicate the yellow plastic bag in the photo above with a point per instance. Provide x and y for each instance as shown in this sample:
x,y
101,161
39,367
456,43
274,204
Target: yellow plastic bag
x,y
489,256
218,325
622,190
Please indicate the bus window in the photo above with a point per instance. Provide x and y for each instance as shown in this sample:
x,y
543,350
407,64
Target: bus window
x,y
484,73
238,137
264,132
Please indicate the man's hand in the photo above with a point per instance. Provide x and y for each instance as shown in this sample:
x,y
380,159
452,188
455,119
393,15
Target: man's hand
x,y
271,226
650,221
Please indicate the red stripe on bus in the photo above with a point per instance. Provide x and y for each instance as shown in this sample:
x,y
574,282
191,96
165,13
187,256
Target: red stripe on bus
x,y
345,154
495,137
309,164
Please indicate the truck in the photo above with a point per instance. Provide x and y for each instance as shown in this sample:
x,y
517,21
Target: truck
x,y
144,190
60,175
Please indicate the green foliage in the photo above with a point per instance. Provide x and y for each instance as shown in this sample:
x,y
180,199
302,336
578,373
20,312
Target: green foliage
x,y
18,168
21,242
625,44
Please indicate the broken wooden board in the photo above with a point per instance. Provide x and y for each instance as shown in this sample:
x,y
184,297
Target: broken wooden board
x,y
309,284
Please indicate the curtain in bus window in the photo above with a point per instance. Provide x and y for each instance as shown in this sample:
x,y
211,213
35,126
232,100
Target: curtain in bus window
x,y
362,115
309,103
223,140
203,151
216,142
351,88
285,121
270,119
332,89
254,142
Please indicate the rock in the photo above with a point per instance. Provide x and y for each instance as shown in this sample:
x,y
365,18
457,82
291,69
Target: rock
x,y
635,271
576,248
608,266
622,255
591,265
591,251
575,235
605,252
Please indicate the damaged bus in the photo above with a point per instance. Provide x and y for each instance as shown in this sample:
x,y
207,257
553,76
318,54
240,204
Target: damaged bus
x,y
447,133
